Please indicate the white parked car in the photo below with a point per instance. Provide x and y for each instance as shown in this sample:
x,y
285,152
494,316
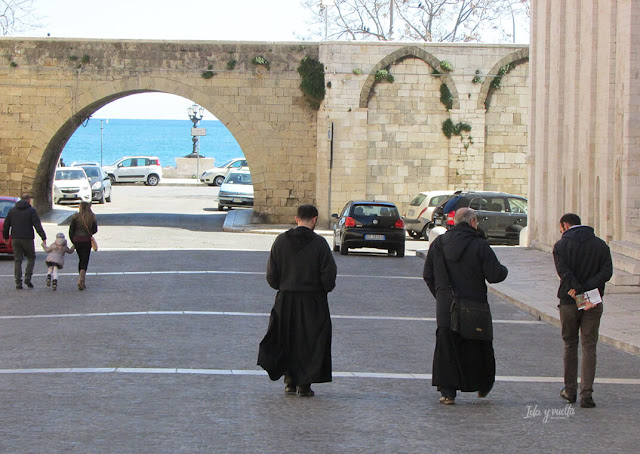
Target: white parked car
x,y
236,190
419,217
135,169
71,185
215,176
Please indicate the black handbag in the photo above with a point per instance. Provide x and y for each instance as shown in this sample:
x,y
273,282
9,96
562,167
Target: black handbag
x,y
471,319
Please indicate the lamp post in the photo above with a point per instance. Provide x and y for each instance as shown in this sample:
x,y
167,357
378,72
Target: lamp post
x,y
102,123
196,113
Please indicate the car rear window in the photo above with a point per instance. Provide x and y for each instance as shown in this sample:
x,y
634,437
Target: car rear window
x,y
371,210
70,174
417,200
438,199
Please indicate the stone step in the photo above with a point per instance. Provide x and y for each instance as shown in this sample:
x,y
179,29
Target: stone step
x,y
625,263
633,237
622,289
621,278
627,248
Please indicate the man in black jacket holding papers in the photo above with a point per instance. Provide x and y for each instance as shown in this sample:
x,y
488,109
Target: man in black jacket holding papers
x,y
583,262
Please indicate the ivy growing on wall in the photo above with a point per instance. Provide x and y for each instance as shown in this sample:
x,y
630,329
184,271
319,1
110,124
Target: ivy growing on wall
x,y
446,97
449,128
312,73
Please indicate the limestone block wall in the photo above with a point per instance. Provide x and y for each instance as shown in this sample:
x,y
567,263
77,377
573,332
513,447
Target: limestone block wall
x,y
49,86
585,118
387,141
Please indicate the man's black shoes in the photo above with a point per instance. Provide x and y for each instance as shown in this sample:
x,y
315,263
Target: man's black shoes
x,y
290,389
587,402
567,397
305,391
28,283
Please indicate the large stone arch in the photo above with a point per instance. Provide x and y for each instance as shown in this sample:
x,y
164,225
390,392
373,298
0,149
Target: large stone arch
x,y
46,149
407,52
518,57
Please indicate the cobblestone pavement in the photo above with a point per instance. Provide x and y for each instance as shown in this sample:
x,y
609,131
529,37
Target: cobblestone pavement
x,y
158,356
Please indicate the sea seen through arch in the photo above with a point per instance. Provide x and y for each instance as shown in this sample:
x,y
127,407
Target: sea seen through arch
x,y
166,139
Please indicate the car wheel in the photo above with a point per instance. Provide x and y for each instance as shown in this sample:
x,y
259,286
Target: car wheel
x,y
101,199
400,251
425,231
112,178
414,235
220,207
336,248
344,250
108,199
217,181
211,184
153,180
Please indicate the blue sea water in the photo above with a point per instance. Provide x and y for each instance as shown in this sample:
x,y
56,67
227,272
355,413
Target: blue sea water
x,y
166,139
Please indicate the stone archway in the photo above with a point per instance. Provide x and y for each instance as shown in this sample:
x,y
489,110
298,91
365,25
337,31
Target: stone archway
x,y
47,151
398,55
515,58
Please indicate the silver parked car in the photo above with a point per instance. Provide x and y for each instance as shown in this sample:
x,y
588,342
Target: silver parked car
x,y
215,176
135,169
419,217
100,182
236,190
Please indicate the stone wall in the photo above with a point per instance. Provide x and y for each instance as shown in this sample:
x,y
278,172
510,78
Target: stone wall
x,y
386,140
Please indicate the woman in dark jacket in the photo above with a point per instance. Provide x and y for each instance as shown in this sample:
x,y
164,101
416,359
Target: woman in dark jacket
x,y
83,227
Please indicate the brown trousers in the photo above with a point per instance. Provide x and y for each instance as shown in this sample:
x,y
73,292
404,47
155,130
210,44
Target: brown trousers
x,y
586,325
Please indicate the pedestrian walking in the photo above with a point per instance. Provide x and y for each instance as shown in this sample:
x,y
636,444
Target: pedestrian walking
x,y
298,340
20,222
583,262
459,262
55,258
83,226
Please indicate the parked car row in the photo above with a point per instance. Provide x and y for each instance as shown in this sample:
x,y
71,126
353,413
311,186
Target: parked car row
x,y
216,176
375,224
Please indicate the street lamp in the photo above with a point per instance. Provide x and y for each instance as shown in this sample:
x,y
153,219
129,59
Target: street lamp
x,y
196,113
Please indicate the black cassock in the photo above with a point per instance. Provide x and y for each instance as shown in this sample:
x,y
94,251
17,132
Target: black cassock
x,y
461,259
298,339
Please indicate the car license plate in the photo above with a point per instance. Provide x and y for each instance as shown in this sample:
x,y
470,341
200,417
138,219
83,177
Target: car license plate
x,y
375,237
237,200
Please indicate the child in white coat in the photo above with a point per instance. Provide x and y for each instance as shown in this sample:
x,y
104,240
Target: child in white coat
x,y
55,258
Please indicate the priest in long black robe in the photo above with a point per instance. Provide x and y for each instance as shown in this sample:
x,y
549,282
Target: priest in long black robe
x,y
298,340
461,260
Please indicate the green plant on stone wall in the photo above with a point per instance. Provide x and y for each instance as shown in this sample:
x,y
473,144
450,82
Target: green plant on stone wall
x,y
73,58
207,74
312,85
384,74
446,97
446,66
85,58
497,80
477,78
261,61
449,128
231,64
357,71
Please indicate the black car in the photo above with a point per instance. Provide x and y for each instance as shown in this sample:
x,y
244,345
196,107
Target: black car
x,y
501,216
369,224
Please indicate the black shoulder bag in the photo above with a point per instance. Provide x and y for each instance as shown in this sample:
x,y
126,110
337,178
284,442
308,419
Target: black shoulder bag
x,y
469,318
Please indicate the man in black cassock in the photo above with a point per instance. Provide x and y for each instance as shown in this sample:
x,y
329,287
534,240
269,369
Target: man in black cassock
x,y
298,340
461,259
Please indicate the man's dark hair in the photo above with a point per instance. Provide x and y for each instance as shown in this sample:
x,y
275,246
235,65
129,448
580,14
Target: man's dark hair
x,y
307,212
571,219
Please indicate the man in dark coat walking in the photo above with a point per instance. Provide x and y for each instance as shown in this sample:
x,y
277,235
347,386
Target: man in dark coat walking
x,y
19,223
461,260
583,262
298,340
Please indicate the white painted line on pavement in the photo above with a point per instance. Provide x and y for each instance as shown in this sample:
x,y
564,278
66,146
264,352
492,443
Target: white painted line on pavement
x,y
245,314
248,273
256,372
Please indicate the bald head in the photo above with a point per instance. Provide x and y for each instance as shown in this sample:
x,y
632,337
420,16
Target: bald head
x,y
467,215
